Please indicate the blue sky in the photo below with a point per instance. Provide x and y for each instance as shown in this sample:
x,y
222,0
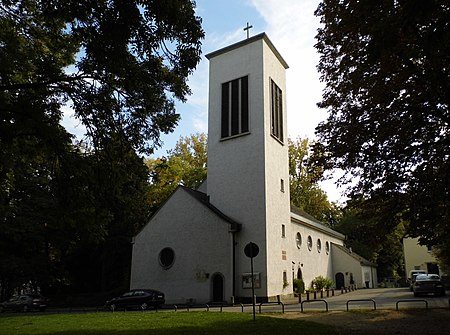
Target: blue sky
x,y
291,26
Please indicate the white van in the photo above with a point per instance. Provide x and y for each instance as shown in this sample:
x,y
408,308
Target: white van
x,y
412,277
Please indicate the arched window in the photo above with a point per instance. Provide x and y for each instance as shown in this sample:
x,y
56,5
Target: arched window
x,y
166,258
327,247
310,243
319,245
298,240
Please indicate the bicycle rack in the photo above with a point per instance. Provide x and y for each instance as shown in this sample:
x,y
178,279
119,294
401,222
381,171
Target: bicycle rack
x,y
412,300
312,301
362,300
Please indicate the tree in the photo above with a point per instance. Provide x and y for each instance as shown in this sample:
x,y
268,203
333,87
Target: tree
x,y
112,207
381,244
385,65
184,165
304,189
114,62
119,65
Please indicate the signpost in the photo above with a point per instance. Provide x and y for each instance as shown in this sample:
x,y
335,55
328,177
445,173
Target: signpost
x,y
251,250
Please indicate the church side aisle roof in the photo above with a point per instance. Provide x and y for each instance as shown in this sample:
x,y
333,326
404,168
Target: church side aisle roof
x,y
299,215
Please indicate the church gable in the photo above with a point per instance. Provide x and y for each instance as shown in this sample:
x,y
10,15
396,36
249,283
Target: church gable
x,y
183,243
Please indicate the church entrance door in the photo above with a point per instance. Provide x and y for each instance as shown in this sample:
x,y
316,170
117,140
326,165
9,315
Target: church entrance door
x,y
217,287
339,280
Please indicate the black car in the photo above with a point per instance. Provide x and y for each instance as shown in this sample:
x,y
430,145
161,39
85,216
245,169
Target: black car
x,y
25,303
140,298
426,284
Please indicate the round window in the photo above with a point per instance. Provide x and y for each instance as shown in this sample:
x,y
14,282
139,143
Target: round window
x,y
319,245
327,247
298,240
309,243
166,258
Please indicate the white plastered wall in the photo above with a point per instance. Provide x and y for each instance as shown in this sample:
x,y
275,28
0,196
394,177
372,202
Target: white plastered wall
x,y
277,169
312,263
202,246
416,256
348,265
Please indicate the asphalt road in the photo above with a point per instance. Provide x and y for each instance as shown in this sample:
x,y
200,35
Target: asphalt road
x,y
380,299
386,298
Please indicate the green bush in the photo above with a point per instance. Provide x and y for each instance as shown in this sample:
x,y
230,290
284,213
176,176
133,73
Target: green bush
x,y
299,286
319,283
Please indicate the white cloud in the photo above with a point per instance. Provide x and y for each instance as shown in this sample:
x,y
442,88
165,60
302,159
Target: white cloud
x,y
292,26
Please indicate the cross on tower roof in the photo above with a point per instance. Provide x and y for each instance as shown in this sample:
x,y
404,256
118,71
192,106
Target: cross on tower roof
x,y
247,28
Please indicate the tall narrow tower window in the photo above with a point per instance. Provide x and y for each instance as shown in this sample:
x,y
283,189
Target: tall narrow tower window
x,y
276,117
234,107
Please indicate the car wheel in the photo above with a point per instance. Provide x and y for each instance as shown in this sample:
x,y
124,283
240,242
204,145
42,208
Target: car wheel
x,y
144,306
25,308
113,307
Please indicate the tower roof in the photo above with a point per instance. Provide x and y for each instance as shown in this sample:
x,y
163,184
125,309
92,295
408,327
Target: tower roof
x,y
252,39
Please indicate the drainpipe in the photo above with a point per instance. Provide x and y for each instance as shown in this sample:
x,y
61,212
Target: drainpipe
x,y
234,264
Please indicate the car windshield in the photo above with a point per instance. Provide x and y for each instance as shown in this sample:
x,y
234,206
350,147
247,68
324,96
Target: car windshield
x,y
421,277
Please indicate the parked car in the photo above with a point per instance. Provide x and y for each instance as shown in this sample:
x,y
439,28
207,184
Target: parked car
x,y
141,298
427,284
25,303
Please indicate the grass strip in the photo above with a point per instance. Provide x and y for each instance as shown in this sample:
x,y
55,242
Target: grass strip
x,y
166,323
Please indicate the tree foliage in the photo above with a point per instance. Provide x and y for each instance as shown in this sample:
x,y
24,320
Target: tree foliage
x,y
67,220
114,62
184,165
381,244
304,189
68,211
385,65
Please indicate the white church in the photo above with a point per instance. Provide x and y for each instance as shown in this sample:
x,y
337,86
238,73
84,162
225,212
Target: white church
x,y
192,249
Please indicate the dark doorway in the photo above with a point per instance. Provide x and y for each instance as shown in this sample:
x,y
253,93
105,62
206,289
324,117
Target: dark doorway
x,y
433,268
299,274
217,287
339,280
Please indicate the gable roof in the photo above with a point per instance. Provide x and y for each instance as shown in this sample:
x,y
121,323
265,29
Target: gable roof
x,y
359,258
299,215
203,198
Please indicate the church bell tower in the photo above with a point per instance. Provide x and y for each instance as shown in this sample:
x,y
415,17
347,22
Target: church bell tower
x,y
248,165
